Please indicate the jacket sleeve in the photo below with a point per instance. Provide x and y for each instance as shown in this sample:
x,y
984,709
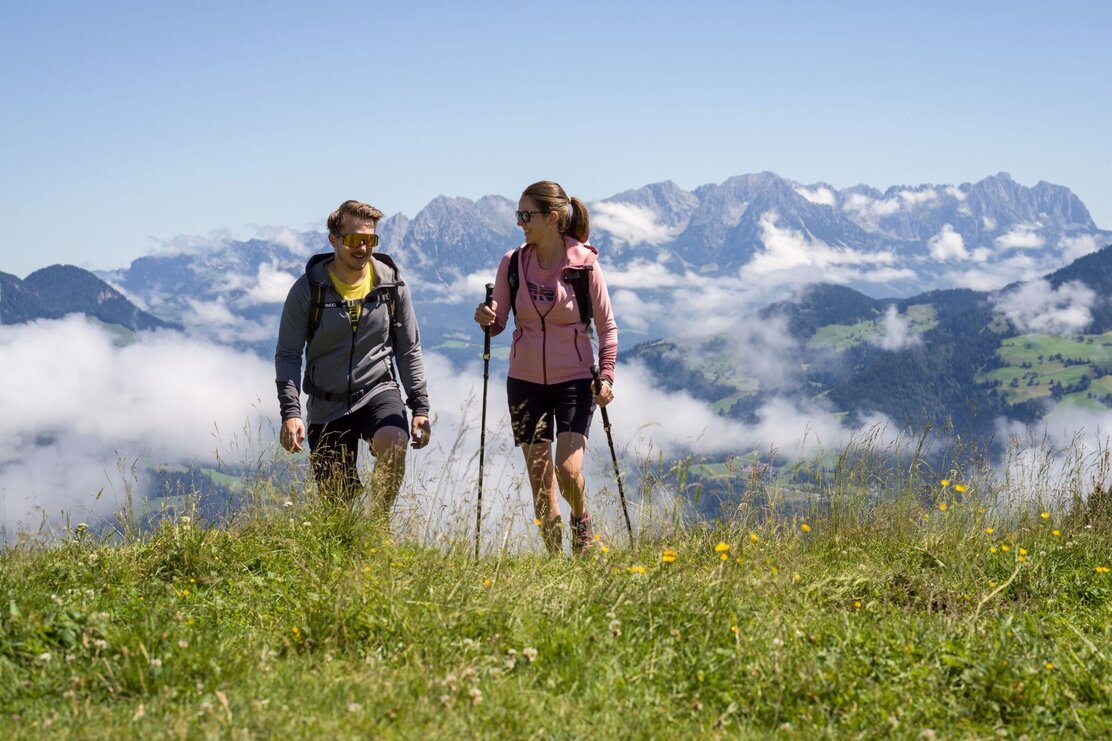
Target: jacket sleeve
x,y
502,295
605,325
407,354
292,334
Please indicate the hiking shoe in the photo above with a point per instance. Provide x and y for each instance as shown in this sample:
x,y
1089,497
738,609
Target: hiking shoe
x,y
582,538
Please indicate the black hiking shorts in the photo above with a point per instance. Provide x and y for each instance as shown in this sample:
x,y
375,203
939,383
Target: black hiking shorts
x,y
334,445
538,412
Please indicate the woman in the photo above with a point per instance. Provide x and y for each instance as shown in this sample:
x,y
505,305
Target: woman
x,y
549,385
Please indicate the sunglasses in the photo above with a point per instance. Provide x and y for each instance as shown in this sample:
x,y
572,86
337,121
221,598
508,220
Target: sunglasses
x,y
354,240
524,216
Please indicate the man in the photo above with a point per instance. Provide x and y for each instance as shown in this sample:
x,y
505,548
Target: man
x,y
350,315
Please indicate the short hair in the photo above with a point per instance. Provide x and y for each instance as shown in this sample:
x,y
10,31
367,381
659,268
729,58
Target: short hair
x,y
355,209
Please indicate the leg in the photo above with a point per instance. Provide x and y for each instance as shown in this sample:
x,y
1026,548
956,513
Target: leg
x,y
574,409
334,450
388,446
570,447
542,480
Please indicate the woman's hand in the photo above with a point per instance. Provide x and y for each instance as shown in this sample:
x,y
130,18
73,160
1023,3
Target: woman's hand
x,y
484,315
605,394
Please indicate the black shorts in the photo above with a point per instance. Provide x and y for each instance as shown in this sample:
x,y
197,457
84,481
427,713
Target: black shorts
x,y
535,409
334,445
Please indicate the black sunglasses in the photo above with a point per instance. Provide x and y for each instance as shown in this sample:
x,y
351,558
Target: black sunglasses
x,y
524,216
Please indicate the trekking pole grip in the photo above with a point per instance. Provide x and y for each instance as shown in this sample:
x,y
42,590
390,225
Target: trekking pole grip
x,y
490,294
486,330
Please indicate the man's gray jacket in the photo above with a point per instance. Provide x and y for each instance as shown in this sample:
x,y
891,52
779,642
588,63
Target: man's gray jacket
x,y
345,369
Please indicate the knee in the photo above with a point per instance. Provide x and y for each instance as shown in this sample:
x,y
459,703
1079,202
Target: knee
x,y
389,442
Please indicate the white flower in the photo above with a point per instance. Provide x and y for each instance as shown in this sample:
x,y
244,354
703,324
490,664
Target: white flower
x,y
530,654
476,695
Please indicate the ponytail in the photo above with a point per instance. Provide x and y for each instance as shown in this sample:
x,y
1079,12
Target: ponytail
x,y
579,222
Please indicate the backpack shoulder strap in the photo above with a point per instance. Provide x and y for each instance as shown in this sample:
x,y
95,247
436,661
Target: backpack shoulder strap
x,y
513,279
316,310
580,279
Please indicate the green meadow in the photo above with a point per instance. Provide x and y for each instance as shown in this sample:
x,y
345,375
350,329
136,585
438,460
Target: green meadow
x,y
928,607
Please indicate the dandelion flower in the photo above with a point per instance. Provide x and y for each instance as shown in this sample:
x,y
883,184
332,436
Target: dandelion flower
x,y
1005,547
722,548
857,604
724,556
636,569
1023,551
942,506
1056,533
734,629
537,521
989,530
1050,666
753,538
991,584
487,582
945,483
805,527
1102,569
1045,515
796,578
993,549
604,548
668,555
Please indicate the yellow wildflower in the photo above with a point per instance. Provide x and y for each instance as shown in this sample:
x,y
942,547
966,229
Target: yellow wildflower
x,y
1056,533
724,556
943,506
992,549
1023,551
487,582
989,530
537,521
1050,666
857,604
636,569
959,488
604,548
722,547
805,527
796,577
1045,515
945,483
1005,547
1102,569
753,537
668,555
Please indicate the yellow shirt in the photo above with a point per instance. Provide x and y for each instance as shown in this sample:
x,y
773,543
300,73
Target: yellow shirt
x,y
353,294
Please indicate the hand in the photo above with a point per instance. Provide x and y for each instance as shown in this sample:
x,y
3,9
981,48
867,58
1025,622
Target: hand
x,y
484,315
292,434
605,394
420,432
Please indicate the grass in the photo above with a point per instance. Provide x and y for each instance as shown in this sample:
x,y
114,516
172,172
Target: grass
x,y
925,609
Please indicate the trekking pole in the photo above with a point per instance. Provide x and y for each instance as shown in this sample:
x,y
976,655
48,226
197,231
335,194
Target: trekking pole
x,y
613,454
483,424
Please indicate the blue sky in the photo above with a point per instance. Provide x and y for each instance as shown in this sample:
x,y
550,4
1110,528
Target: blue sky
x,y
127,124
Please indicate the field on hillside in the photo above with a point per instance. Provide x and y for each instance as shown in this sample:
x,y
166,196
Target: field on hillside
x,y
1034,363
934,607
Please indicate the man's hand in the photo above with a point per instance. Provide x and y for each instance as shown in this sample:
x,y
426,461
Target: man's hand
x,y
420,432
292,435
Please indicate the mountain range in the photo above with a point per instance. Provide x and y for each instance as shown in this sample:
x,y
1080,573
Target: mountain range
x,y
871,289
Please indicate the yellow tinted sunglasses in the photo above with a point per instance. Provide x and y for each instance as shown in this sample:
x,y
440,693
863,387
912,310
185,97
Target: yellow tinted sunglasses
x,y
354,240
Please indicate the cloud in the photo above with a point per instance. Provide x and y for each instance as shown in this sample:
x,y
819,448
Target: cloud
x,y
630,224
215,320
948,243
989,222
912,198
1038,307
1075,247
163,398
1020,237
955,193
821,195
792,257
897,331
870,210
271,286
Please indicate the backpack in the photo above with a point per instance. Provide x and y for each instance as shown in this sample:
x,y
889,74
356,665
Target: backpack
x,y
316,310
580,280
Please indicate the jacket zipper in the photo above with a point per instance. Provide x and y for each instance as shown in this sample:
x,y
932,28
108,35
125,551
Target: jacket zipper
x,y
544,349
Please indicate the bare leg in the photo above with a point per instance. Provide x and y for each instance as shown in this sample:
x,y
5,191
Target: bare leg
x,y
542,480
388,447
570,447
